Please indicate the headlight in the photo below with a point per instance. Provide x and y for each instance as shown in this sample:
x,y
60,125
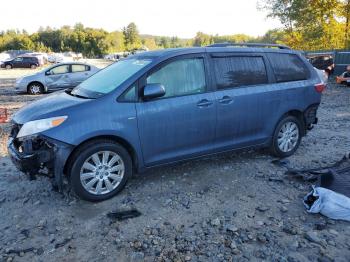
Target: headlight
x,y
37,126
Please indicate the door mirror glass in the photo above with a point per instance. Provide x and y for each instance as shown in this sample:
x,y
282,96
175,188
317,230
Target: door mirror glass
x,y
152,91
48,73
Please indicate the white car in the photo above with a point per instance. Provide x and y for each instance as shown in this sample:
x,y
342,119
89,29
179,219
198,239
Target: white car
x,y
55,77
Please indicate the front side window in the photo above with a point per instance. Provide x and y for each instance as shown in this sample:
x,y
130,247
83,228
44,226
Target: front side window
x,y
238,71
288,67
110,78
79,68
60,70
181,77
19,59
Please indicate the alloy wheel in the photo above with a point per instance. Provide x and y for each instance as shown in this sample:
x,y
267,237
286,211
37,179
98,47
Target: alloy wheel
x,y
35,89
102,172
288,137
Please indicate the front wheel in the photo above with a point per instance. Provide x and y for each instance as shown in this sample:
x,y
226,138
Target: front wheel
x,y
287,137
99,170
35,89
8,66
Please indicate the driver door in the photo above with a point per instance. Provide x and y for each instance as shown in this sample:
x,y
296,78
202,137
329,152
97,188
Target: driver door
x,y
181,124
17,62
58,77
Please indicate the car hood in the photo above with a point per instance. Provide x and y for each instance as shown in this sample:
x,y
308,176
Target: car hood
x,y
53,105
31,76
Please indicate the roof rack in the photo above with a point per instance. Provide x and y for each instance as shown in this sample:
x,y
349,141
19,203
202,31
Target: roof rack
x,y
227,44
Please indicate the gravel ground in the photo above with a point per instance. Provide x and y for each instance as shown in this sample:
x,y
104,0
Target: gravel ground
x,y
230,207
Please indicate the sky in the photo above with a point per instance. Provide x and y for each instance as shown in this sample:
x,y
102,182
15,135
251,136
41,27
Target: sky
x,y
182,18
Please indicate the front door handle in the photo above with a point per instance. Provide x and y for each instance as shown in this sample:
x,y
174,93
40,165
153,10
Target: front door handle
x,y
204,103
226,100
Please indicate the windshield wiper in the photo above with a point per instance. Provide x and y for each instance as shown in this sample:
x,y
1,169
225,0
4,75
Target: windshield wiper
x,y
69,92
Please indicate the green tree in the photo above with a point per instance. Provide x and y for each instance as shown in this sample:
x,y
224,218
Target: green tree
x,y
132,39
202,39
309,25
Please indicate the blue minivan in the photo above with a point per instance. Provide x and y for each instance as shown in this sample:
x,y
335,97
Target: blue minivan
x,y
160,107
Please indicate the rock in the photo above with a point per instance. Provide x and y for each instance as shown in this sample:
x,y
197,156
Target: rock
x,y
41,224
333,232
37,203
284,201
276,179
262,208
296,257
215,222
137,244
284,209
188,258
40,251
259,223
289,229
320,226
313,237
261,238
137,256
2,200
147,231
167,202
231,228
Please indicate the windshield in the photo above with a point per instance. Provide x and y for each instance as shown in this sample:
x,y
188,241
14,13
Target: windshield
x,y
109,78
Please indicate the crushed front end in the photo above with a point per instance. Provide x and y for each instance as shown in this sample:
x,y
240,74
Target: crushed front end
x,y
38,154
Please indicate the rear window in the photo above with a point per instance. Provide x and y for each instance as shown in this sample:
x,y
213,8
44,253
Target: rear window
x,y
236,71
288,67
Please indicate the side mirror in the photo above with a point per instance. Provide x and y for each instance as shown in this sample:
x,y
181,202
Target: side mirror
x,y
151,91
48,73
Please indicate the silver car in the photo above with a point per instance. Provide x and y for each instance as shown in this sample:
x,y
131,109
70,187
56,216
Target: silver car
x,y
55,77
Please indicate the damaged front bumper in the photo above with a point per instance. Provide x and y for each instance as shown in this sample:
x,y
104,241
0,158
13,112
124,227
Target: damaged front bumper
x,y
34,154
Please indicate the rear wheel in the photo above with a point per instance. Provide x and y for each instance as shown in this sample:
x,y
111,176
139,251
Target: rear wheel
x,y
33,66
35,89
99,170
287,137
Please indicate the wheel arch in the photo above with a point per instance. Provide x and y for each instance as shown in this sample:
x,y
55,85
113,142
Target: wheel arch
x,y
123,142
299,114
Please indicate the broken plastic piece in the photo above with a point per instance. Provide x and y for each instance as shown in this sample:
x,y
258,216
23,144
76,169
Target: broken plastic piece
x,y
122,215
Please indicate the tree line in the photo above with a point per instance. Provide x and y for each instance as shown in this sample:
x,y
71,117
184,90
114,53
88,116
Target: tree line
x,y
91,42
307,25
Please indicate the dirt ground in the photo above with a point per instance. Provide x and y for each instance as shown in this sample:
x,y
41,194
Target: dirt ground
x,y
229,207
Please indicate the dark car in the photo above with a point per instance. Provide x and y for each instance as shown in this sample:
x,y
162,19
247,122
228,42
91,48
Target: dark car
x,y
164,106
22,62
323,62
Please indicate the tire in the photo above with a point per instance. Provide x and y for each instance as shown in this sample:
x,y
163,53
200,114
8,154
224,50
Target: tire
x,y
33,66
89,157
35,89
8,66
288,129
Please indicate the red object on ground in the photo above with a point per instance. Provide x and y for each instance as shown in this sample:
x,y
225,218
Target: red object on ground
x,y
3,115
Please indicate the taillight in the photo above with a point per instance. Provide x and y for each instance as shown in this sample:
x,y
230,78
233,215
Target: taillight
x,y
320,87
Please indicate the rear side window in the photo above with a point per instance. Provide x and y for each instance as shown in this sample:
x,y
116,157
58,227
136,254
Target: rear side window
x,y
79,68
60,70
181,77
288,67
237,71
